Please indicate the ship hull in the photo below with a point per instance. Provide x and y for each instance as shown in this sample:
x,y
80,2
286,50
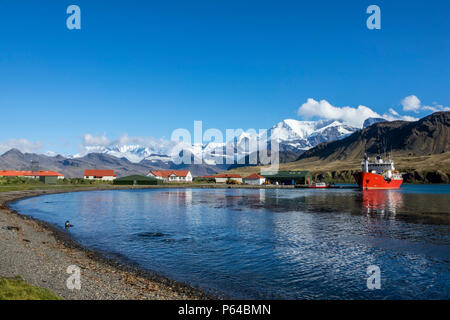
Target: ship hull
x,y
368,180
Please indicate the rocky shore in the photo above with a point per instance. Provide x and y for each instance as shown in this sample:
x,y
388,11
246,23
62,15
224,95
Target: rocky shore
x,y
41,253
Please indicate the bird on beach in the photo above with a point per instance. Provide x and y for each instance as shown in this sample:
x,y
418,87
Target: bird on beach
x,y
68,225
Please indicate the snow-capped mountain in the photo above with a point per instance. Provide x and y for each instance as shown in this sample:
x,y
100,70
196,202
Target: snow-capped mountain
x,y
158,158
304,135
292,135
134,153
370,121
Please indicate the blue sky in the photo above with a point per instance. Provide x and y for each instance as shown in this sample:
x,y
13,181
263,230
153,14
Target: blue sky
x,y
146,68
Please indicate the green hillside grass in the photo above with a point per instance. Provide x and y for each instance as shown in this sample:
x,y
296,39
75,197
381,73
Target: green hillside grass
x,y
18,289
20,183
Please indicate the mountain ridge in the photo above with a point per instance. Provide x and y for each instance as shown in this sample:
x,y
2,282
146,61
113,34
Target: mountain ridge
x,y
429,135
292,135
335,141
420,150
14,159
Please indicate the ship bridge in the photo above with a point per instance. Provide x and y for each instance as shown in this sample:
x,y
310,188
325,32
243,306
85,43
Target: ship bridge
x,y
379,166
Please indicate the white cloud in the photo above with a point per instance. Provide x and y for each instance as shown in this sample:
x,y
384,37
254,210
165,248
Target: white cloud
x,y
392,111
352,116
411,103
151,142
323,109
405,118
91,140
23,145
436,108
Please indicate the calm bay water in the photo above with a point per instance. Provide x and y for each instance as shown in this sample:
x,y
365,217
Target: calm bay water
x,y
270,244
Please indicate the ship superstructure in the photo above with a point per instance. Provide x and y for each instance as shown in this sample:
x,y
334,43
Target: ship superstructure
x,y
378,174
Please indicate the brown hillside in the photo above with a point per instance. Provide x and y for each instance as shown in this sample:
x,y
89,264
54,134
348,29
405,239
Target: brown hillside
x,y
429,135
420,148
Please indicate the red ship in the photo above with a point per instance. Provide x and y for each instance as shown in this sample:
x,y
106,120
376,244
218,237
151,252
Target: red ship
x,y
378,175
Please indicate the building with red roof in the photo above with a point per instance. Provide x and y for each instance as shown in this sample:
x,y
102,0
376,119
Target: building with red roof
x,y
48,177
104,175
255,179
30,174
171,175
209,177
225,177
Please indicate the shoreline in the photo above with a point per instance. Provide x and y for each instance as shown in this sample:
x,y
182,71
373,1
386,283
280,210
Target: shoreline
x,y
40,253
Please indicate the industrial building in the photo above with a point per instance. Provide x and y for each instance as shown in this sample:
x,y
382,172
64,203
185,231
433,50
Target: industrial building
x,y
103,175
228,177
288,177
137,180
255,179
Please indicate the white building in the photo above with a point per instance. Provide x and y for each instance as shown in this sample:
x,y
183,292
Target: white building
x,y
103,175
225,177
172,175
255,179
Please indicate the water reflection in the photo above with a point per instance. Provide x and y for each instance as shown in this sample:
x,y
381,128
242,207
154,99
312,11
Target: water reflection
x,y
289,243
382,202
385,204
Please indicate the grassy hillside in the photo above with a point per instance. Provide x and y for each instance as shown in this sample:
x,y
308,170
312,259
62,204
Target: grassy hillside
x,y
18,289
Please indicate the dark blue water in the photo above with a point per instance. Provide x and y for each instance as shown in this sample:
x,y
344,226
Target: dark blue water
x,y
277,244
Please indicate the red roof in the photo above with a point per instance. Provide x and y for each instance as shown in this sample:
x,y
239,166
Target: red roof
x,y
99,173
254,176
6,173
168,173
46,174
16,173
228,175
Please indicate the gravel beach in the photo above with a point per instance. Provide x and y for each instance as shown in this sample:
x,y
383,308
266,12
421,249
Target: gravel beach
x,y
41,254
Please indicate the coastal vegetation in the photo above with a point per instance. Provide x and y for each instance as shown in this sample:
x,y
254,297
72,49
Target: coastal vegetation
x,y
65,181
18,289
20,183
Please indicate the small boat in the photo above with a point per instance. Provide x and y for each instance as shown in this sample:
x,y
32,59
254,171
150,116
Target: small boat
x,y
318,185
